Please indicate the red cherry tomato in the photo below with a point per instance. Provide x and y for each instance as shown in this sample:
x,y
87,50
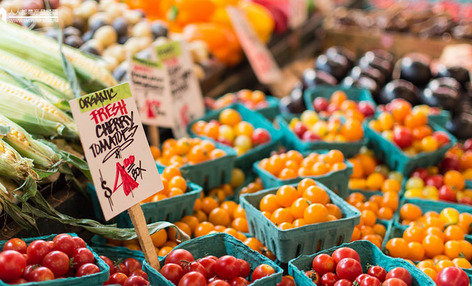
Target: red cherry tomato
x,y
328,279
18,281
41,274
136,281
452,276
12,265
37,250
370,281
239,281
343,282
345,252
65,243
132,264
57,261
394,282
197,267
378,271
179,255
172,272
117,278
109,262
16,244
82,256
262,270
227,267
219,283
87,269
208,262
286,281
244,269
140,272
79,242
193,279
323,263
400,273
121,268
349,269
361,277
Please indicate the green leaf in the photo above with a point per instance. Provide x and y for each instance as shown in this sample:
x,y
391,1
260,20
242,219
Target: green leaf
x,y
173,13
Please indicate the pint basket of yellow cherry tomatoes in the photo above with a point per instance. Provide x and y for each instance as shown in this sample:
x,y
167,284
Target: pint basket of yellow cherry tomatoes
x,y
198,160
308,131
299,219
319,267
405,140
350,102
216,246
251,135
328,167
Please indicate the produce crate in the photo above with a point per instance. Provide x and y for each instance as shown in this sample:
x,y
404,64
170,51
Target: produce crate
x,y
336,181
117,253
272,110
211,173
258,121
440,119
219,244
352,93
288,244
394,157
93,279
291,140
369,254
428,205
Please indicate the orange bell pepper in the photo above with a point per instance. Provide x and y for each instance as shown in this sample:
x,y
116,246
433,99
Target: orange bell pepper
x,y
191,11
221,41
260,18
153,10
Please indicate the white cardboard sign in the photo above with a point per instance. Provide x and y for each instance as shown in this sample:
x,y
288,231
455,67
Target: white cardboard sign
x,y
185,89
259,56
123,170
149,84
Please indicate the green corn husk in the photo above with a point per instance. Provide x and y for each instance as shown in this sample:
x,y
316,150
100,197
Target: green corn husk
x,y
37,87
13,165
24,68
34,114
45,53
28,147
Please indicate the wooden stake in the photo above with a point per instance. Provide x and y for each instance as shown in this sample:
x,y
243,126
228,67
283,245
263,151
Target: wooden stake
x,y
139,222
153,133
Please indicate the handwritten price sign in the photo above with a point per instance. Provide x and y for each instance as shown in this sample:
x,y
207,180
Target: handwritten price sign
x,y
149,83
116,148
260,58
185,89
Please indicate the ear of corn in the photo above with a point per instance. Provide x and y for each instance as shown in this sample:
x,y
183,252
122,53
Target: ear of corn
x,y
37,87
22,141
44,52
33,113
13,165
31,71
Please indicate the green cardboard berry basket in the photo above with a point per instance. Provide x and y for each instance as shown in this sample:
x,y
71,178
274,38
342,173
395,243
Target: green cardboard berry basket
x,y
397,160
258,121
93,279
292,141
211,173
272,110
288,244
369,254
336,181
352,93
118,253
170,209
440,119
219,244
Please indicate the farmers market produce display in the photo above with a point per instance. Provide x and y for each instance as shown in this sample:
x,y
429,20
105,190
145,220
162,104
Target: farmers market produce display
x,y
360,176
